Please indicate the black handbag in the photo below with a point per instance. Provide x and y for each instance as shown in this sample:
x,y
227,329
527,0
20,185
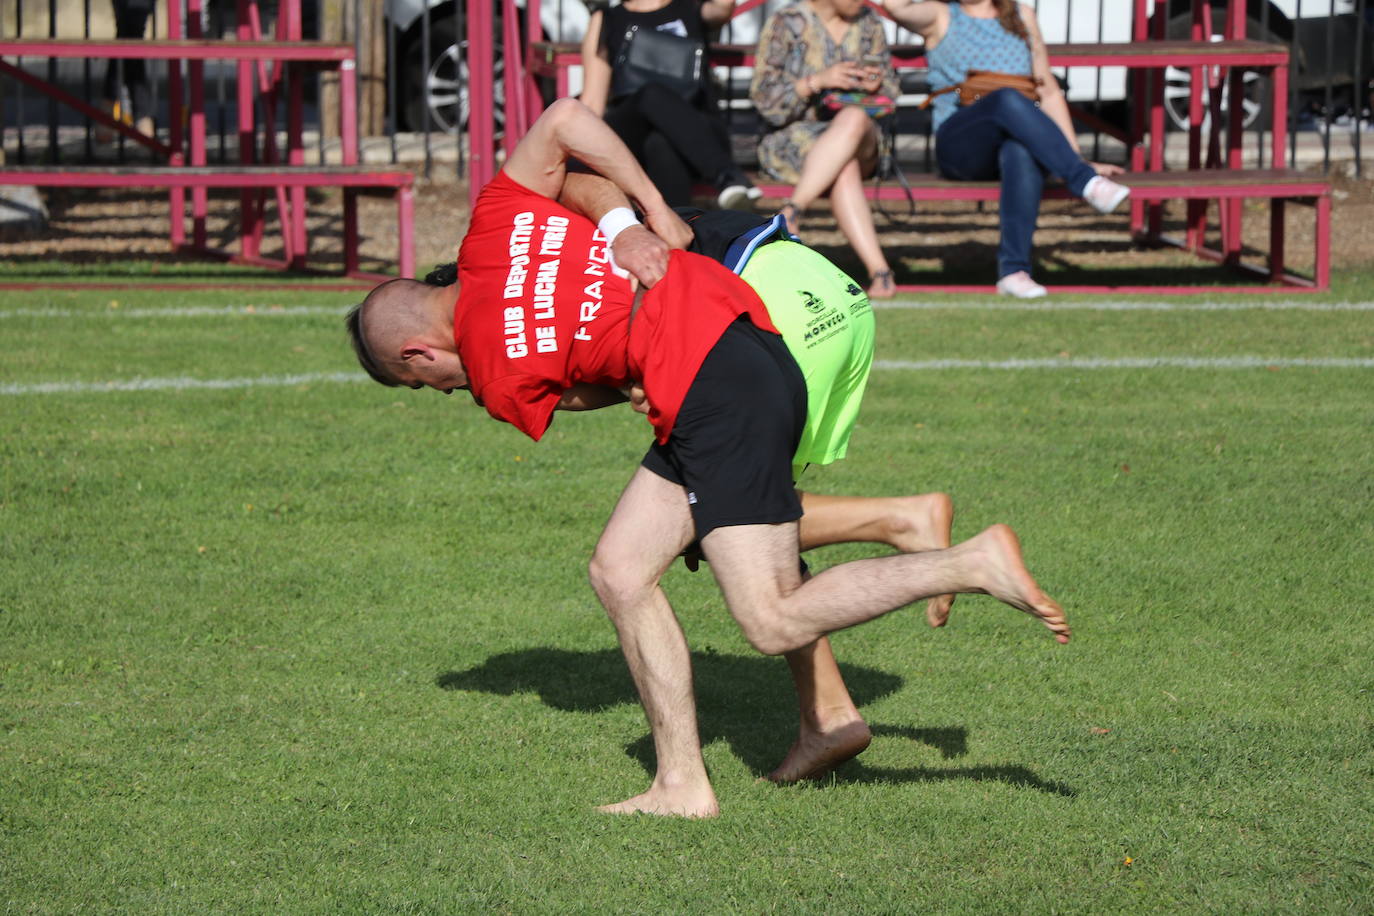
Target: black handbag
x,y
650,56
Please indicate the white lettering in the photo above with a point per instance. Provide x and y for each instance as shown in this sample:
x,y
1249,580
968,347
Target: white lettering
x,y
522,228
545,340
545,282
514,326
554,232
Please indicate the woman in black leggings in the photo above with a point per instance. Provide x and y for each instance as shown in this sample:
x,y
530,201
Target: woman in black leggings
x,y
678,138
132,98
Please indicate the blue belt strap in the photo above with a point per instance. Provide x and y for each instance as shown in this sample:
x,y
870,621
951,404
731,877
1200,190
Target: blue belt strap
x,y
743,248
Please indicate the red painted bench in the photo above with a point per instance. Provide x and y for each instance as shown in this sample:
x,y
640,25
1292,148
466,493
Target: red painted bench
x,y
1278,186
351,179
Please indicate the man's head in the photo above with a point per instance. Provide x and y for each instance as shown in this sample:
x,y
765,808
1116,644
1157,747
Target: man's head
x,y
402,334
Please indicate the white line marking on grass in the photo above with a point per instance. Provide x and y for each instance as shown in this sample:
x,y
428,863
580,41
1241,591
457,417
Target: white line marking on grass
x,y
1132,362
186,311
1297,305
182,383
204,311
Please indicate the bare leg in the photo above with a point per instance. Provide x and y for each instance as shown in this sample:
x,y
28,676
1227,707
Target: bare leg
x,y
841,156
778,613
650,525
906,523
855,219
839,145
831,729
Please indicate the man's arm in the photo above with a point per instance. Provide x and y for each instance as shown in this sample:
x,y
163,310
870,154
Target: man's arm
x,y
568,129
642,252
583,396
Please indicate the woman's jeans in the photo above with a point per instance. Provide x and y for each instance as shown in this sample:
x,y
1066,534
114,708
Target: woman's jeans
x,y
1004,134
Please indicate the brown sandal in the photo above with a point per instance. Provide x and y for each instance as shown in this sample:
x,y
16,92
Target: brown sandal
x,y
882,285
792,214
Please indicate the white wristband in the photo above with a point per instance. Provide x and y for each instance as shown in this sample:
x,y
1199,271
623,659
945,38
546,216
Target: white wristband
x,y
615,222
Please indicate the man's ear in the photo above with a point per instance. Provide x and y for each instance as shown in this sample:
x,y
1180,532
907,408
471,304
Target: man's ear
x,y
416,348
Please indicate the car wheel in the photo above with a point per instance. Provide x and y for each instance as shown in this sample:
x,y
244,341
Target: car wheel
x,y
1256,99
442,87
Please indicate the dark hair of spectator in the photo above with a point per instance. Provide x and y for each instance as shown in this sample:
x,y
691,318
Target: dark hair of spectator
x,y
1009,16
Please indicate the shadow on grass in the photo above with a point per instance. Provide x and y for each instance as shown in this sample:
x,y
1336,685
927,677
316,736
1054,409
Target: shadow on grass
x,y
745,701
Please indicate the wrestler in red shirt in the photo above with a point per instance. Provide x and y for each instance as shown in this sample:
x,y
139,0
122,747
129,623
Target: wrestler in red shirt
x,y
404,335
541,308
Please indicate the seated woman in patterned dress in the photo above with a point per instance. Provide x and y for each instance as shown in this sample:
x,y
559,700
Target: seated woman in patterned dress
x,y
805,50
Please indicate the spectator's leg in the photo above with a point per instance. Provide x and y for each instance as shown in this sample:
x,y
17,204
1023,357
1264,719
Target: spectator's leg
x,y
694,133
131,20
1018,117
1023,182
855,219
663,165
667,169
967,145
849,133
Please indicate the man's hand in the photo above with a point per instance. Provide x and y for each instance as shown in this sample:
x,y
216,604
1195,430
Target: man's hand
x,y
668,226
637,399
642,253
1106,169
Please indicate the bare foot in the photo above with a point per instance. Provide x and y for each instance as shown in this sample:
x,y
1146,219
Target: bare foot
x,y
817,752
678,802
1010,582
923,523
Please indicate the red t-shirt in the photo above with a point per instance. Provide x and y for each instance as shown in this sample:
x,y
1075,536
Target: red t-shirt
x,y
540,309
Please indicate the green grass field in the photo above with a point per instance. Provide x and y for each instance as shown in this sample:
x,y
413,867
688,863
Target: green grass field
x,y
308,644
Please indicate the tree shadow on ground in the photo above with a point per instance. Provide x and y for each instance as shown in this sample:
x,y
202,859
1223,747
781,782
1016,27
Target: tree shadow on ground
x,y
745,701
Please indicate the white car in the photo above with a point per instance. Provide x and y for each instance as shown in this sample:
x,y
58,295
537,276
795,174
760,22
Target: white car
x,y
439,79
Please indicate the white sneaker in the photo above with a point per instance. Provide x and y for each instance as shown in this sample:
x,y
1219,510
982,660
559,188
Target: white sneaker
x,y
754,192
1103,194
1021,286
735,197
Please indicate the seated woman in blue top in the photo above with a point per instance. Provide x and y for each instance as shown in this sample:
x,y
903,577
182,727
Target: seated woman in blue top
x,y
1003,134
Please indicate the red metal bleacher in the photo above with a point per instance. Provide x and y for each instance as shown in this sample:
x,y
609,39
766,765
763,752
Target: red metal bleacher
x,y
264,65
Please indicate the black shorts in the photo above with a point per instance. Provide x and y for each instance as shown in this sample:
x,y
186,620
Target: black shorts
x,y
731,447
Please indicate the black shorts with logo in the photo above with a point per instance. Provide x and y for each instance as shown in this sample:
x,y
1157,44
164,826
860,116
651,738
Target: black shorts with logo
x,y
731,447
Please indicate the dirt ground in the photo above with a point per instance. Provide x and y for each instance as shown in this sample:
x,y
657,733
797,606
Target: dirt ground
x,y
940,242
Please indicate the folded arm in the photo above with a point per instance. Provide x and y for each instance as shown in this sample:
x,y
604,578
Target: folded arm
x,y
568,129
641,250
583,396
